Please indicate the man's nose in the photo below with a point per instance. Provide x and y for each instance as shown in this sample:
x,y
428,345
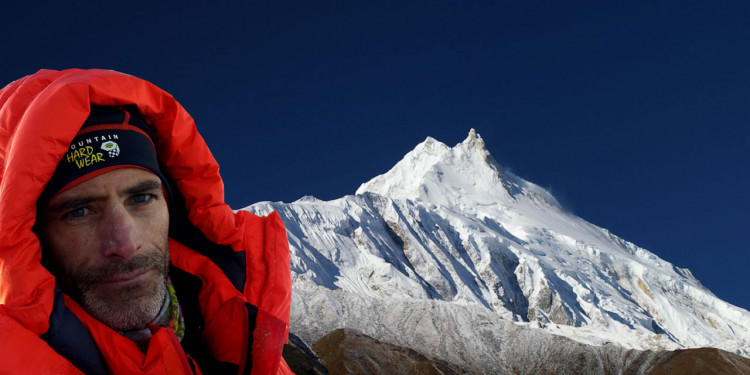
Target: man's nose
x,y
118,231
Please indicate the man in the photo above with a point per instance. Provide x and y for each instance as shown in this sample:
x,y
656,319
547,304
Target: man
x,y
118,254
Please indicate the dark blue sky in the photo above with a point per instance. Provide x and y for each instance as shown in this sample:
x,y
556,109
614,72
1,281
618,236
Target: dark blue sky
x,y
634,115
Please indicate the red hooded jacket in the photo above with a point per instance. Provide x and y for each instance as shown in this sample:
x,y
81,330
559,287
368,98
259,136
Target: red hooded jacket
x,y
230,270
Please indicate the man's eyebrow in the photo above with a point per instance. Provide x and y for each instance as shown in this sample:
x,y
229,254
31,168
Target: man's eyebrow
x,y
73,202
142,187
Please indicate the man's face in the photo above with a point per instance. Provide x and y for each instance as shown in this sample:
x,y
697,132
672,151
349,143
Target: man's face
x,y
108,238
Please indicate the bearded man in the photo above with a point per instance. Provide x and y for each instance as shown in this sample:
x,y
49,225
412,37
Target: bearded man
x,y
118,254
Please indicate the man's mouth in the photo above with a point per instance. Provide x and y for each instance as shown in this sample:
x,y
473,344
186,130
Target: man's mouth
x,y
125,279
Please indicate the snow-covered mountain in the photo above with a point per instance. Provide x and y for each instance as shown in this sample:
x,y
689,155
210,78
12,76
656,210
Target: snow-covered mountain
x,y
449,243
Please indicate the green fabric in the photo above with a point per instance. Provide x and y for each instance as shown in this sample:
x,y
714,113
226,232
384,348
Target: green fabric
x,y
176,320
170,315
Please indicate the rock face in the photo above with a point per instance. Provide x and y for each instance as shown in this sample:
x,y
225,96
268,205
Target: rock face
x,y
703,361
451,255
301,359
349,352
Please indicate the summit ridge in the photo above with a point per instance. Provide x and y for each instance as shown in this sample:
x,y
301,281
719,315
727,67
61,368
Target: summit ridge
x,y
464,175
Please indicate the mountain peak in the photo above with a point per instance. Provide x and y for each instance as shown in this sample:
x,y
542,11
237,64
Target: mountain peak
x,y
447,229
474,140
459,176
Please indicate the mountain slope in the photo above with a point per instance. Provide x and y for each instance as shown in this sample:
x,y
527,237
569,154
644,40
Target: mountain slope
x,y
449,224
477,341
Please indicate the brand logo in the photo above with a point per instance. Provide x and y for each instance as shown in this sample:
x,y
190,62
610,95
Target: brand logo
x,y
112,148
84,155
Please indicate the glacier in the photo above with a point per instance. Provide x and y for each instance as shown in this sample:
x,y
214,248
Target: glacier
x,y
448,232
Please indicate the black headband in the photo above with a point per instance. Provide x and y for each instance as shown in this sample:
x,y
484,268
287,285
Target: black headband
x,y
111,138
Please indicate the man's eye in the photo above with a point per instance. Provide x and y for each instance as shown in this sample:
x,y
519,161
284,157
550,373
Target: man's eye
x,y
141,198
77,213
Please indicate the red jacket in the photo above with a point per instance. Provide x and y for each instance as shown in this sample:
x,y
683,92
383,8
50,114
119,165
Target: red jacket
x,y
230,270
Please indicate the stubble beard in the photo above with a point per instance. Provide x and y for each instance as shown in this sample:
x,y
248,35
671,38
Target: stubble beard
x,y
129,307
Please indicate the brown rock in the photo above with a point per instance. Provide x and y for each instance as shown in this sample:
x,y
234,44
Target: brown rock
x,y
346,351
301,359
703,361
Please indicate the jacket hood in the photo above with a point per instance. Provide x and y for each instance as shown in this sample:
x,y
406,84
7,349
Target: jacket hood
x,y
39,116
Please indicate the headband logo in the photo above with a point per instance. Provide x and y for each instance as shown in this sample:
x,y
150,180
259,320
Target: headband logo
x,y
112,148
84,155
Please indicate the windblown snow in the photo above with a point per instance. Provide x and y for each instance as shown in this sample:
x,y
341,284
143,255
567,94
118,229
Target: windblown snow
x,y
450,226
